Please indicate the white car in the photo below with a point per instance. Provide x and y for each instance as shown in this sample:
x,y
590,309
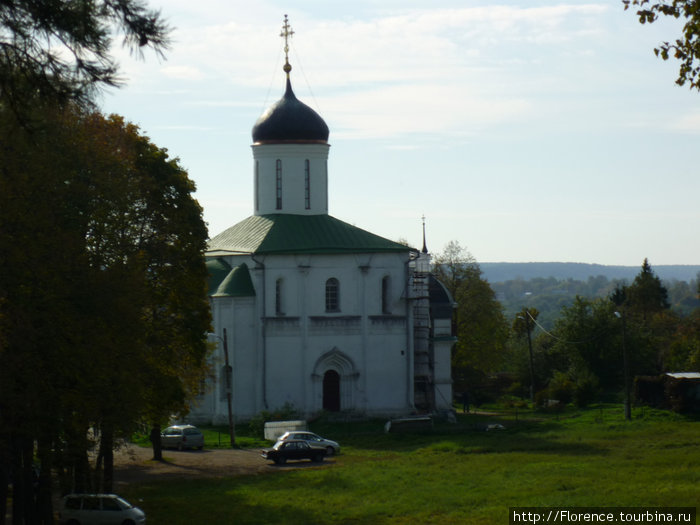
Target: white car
x,y
182,437
98,509
314,440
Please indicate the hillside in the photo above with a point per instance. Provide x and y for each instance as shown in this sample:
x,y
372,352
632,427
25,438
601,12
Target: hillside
x,y
496,272
551,286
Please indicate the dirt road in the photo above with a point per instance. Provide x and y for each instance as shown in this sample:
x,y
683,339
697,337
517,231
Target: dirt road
x,y
135,464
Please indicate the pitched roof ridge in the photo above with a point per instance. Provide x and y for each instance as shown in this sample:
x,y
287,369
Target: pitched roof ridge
x,y
287,233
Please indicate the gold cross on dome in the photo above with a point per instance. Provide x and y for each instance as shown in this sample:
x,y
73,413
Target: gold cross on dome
x,y
286,33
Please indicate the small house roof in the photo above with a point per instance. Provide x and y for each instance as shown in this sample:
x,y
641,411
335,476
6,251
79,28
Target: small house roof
x,y
684,375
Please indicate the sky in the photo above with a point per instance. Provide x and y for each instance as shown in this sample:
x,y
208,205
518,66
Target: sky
x,y
527,131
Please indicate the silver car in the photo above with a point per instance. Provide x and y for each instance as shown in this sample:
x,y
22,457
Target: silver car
x,y
98,509
182,437
314,440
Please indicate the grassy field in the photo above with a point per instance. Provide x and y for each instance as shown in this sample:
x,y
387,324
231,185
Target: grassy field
x,y
456,473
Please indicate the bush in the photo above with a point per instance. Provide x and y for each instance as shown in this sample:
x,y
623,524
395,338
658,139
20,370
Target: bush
x,y
513,402
517,389
587,389
561,388
286,412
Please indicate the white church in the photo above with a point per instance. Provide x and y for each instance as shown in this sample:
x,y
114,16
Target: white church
x,y
311,311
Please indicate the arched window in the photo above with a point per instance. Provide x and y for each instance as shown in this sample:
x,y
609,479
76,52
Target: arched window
x,y
307,185
279,284
332,295
386,295
278,185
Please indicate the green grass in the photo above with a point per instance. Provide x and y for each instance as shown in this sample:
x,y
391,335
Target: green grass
x,y
456,473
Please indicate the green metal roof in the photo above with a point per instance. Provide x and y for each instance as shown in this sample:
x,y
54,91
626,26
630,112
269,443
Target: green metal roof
x,y
236,284
218,270
284,233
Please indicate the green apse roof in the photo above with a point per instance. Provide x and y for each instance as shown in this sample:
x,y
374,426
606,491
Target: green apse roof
x,y
218,270
225,281
284,233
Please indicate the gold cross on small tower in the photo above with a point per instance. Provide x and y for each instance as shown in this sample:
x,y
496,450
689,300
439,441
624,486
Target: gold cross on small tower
x,y
286,33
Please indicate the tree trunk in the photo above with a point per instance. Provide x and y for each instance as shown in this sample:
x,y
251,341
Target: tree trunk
x,y
81,472
107,452
23,493
17,485
4,477
44,505
157,445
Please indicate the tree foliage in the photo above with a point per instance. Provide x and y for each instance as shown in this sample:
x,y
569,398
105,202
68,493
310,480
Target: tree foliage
x,y
587,339
646,295
686,48
524,321
60,50
103,306
481,328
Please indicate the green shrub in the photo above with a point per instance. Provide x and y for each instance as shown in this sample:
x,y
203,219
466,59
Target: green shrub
x,y
561,388
286,412
587,389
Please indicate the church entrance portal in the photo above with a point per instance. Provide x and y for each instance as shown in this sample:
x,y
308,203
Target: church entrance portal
x,y
331,391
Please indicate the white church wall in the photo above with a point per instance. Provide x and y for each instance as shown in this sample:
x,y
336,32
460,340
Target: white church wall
x,y
285,372
442,356
387,371
367,346
245,359
292,159
442,374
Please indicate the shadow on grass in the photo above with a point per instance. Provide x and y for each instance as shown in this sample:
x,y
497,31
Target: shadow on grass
x,y
217,503
472,434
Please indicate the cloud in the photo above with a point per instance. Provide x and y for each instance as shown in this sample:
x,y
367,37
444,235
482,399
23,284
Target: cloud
x,y
184,72
397,110
687,123
407,44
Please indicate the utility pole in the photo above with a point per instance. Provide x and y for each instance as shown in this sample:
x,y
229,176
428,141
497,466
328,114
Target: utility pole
x,y
619,298
532,364
626,368
229,380
526,318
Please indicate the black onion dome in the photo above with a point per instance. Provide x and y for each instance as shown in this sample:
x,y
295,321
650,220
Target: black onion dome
x,y
290,120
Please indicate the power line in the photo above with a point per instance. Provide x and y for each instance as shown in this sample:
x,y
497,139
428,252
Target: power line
x,y
559,338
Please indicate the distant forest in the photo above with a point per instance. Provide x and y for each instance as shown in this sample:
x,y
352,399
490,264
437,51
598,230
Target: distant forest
x,y
551,286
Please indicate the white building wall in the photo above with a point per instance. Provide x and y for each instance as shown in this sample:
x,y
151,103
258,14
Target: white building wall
x,y
285,362
442,356
293,171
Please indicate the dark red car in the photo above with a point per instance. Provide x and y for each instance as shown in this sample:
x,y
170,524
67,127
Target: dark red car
x,y
293,449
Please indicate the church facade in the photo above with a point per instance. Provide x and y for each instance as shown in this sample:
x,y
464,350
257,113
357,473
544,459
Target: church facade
x,y
310,311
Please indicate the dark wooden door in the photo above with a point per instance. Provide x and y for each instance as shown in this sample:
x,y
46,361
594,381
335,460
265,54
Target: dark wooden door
x,y
331,391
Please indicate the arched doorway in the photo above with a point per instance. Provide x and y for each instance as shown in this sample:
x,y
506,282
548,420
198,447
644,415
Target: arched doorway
x,y
331,391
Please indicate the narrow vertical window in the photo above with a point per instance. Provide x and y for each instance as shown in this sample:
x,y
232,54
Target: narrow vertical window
x,y
386,289
332,295
256,182
278,184
278,297
307,185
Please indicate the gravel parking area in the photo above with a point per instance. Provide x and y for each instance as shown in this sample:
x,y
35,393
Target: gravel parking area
x,y
135,464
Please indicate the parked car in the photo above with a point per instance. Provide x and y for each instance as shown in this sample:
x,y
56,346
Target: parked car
x,y
182,437
98,509
314,440
292,449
